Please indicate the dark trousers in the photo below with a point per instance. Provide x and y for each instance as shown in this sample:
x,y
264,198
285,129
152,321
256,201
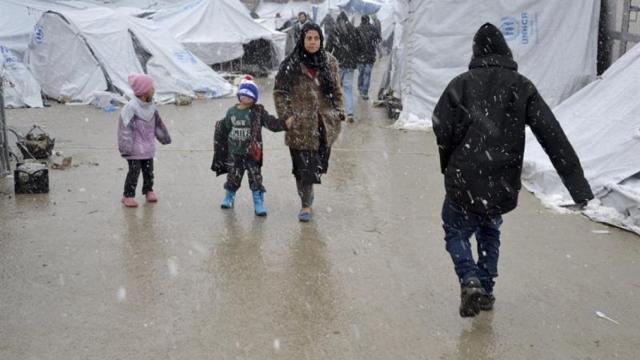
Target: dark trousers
x,y
236,172
459,226
135,166
305,191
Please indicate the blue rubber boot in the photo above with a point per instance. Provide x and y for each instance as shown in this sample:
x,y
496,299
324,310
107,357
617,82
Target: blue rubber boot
x,y
258,202
305,216
229,198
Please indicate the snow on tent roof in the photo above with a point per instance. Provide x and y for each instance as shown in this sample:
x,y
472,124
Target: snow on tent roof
x,y
20,88
554,43
215,30
75,54
602,123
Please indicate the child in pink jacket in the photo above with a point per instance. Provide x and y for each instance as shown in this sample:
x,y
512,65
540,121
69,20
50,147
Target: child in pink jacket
x,y
138,127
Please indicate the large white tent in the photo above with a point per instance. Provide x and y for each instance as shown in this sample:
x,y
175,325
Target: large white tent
x,y
602,123
20,88
76,54
216,30
554,42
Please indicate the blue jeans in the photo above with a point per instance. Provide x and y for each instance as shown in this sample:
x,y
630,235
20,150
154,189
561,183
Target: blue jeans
x,y
459,226
346,79
364,78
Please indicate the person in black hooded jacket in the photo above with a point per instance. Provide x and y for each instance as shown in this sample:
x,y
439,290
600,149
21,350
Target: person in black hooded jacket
x,y
369,38
479,123
344,44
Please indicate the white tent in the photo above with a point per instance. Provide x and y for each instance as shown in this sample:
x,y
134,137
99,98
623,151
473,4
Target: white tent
x,y
76,54
20,88
216,30
554,42
603,125
17,19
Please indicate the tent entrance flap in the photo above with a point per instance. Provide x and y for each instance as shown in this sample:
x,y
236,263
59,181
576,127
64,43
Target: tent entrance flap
x,y
142,53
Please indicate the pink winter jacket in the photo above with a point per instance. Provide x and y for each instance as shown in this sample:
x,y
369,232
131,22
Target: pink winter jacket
x,y
136,141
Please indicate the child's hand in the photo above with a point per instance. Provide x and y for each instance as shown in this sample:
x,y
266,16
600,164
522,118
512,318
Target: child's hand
x,y
289,122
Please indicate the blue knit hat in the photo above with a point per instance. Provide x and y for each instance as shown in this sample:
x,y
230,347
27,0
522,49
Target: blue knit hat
x,y
248,88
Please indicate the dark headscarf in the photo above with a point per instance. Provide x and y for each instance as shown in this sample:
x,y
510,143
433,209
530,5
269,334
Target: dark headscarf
x,y
291,64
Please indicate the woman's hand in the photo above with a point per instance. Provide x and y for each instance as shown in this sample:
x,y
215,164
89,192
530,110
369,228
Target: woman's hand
x,y
290,121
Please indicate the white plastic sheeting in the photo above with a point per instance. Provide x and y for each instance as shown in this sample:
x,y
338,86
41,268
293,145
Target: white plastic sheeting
x,y
100,42
215,30
554,43
20,87
603,125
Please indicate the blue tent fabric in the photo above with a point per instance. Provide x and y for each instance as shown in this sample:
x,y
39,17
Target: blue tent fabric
x,y
363,7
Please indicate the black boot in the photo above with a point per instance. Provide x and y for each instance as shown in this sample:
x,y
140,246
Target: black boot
x,y
470,293
486,302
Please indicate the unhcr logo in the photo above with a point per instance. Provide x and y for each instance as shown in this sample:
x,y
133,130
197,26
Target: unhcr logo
x,y
38,34
10,60
510,28
185,56
523,30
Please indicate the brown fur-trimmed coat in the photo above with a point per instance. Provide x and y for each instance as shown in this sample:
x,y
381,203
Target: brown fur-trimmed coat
x,y
307,104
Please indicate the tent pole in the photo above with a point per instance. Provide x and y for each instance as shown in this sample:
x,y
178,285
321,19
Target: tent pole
x,y
626,15
4,146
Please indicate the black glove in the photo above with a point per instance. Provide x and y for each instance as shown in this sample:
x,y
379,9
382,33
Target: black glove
x,y
581,204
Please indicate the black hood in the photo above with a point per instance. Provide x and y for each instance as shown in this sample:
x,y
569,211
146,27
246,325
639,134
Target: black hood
x,y
490,41
491,49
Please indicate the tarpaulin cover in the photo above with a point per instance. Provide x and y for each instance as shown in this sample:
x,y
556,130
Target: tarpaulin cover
x,y
603,125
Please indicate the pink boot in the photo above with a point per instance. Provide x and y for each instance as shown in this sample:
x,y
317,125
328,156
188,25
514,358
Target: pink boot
x,y
129,202
151,197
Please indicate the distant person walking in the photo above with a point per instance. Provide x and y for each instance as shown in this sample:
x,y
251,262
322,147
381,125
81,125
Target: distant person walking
x,y
344,44
369,38
302,20
479,123
307,87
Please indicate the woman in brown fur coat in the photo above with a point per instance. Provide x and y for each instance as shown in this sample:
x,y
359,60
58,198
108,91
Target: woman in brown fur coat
x,y
307,87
